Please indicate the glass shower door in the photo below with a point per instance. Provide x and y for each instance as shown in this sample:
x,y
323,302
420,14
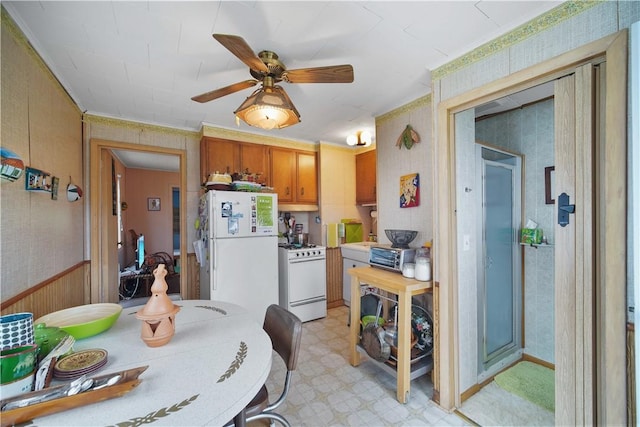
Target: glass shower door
x,y
499,297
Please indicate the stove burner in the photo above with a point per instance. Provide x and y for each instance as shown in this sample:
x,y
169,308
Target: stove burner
x,y
295,246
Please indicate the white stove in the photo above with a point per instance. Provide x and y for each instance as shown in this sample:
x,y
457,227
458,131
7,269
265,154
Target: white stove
x,y
303,280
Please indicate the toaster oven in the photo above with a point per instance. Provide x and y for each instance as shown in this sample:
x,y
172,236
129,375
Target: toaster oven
x,y
390,258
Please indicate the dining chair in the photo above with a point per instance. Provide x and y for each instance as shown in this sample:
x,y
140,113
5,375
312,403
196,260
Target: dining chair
x,y
285,330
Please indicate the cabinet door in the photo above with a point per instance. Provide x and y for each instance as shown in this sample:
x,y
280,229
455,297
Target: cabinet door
x,y
221,156
366,177
255,158
307,189
282,172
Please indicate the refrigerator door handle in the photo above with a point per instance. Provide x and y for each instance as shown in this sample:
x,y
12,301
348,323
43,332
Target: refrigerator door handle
x,y
214,262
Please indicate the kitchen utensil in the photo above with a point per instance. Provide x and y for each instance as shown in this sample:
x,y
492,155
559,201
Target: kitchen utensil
x,y
423,265
80,363
45,368
391,331
422,326
401,238
371,319
409,270
69,390
16,330
106,383
21,415
47,338
301,239
373,339
16,388
18,362
85,320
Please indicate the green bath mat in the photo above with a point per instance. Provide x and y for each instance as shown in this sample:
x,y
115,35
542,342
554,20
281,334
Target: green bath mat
x,y
530,381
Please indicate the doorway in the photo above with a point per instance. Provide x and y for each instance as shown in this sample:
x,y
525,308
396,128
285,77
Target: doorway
x,y
104,244
499,278
586,393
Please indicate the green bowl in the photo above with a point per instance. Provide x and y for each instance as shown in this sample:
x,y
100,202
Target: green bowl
x,y
17,362
370,319
85,320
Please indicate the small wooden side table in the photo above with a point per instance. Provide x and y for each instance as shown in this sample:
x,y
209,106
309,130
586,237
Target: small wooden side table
x,y
405,288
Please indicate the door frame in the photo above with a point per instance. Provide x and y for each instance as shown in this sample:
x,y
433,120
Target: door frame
x,y
99,241
608,401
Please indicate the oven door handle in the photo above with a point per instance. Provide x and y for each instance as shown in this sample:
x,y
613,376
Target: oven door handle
x,y
301,260
307,301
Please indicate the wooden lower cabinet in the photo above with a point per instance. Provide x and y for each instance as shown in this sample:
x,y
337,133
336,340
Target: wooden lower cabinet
x,y
334,278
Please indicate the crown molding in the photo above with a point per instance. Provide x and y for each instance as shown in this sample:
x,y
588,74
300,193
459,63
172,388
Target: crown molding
x,y
128,124
527,30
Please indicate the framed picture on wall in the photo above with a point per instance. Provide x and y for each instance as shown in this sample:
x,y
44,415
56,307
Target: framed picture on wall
x,y
37,180
410,190
153,204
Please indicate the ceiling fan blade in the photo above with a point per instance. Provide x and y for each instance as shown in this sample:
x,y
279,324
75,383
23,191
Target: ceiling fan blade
x,y
240,48
223,91
330,74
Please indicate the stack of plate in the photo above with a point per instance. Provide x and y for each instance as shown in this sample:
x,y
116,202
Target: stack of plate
x,y
246,186
80,363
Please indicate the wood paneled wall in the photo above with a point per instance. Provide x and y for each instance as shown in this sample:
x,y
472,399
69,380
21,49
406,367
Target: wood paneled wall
x,y
71,288
67,289
334,278
193,278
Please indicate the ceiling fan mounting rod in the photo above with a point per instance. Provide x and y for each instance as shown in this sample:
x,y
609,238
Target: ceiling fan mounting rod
x,y
275,67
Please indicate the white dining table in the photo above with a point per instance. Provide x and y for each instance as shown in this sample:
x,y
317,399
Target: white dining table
x,y
216,362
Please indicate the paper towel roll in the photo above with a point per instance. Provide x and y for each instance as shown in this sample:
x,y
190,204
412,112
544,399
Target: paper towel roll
x,y
333,241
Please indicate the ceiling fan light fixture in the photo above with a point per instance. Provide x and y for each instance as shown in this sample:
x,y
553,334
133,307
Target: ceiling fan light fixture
x,y
359,139
268,108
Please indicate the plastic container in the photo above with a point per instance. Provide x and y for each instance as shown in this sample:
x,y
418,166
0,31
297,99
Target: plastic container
x,y
409,270
423,265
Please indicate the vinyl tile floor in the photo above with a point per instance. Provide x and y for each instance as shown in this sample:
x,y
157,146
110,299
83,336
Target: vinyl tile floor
x,y
327,391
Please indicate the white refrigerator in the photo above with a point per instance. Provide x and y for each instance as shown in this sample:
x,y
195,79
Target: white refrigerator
x,y
238,235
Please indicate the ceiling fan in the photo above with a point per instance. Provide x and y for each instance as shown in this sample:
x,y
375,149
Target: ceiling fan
x,y
270,107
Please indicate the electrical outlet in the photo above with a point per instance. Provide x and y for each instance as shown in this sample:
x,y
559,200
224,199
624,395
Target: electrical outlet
x,y
466,242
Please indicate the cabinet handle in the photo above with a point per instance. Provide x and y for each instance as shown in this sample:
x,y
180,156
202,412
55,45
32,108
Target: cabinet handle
x,y
287,191
302,191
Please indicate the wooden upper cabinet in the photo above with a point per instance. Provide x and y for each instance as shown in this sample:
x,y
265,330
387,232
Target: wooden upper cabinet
x,y
227,156
292,173
294,176
255,159
282,173
366,178
218,155
307,177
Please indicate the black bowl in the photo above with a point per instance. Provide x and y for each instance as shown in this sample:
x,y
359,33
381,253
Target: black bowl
x,y
401,238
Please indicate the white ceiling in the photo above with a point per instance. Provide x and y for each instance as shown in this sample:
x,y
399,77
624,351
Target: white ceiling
x,y
144,60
